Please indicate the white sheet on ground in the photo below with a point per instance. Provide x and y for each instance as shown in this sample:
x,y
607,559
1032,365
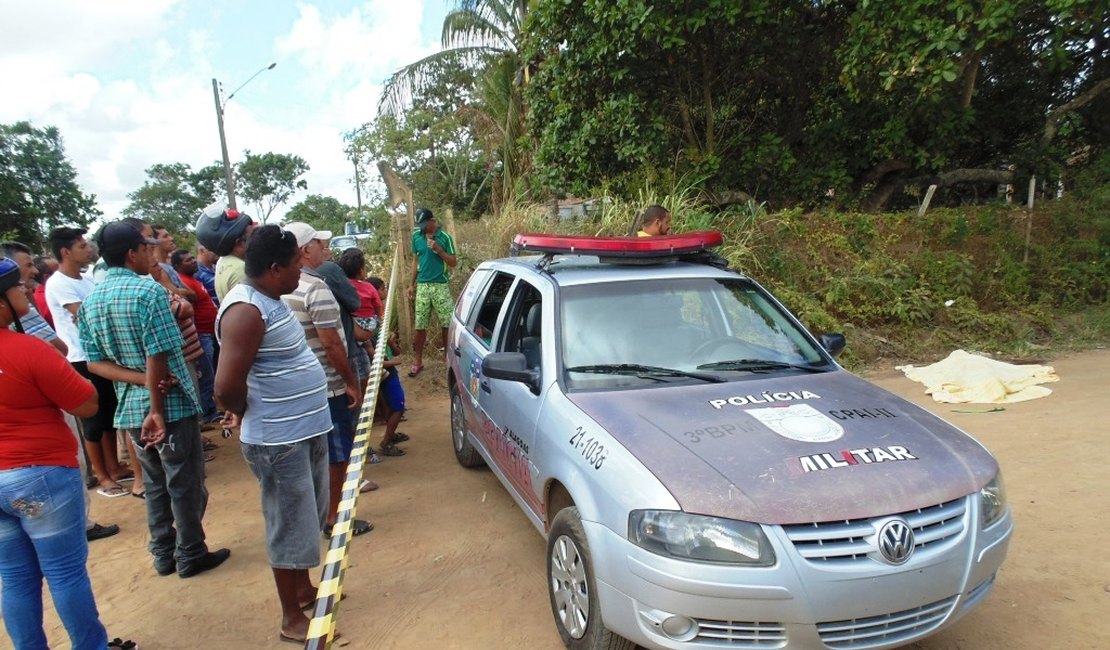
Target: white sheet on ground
x,y
964,378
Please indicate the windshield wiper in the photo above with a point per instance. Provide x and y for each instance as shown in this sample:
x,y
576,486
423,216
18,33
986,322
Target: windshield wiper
x,y
757,364
638,370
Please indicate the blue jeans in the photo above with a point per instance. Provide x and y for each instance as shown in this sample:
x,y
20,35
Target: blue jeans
x,y
207,376
42,534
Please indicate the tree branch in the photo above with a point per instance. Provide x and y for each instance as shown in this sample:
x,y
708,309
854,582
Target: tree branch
x,y
1052,121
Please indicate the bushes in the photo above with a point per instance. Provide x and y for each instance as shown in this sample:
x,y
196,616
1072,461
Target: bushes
x,y
897,284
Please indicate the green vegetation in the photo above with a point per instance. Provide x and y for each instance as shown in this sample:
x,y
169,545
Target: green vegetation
x,y
899,285
38,185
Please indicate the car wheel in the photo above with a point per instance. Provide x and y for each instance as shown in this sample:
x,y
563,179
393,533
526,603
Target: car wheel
x,y
573,590
465,452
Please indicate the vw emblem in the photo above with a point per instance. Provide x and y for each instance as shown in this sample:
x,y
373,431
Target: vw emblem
x,y
896,541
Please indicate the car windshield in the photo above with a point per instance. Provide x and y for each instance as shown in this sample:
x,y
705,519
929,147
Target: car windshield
x,y
684,330
343,242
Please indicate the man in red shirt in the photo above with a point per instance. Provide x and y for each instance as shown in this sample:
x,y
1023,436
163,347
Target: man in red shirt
x,y
204,317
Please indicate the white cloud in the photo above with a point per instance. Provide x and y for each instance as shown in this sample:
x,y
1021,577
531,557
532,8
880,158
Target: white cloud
x,y
129,85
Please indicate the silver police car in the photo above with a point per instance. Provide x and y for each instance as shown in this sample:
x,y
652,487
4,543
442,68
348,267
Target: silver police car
x,y
704,472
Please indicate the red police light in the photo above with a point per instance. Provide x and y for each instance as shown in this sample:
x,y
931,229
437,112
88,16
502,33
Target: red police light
x,y
633,247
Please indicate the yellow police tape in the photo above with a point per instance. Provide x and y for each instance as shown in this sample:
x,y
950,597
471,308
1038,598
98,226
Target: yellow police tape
x,y
321,629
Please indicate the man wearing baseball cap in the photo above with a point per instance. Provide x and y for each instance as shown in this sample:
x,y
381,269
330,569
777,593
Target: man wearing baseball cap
x,y
318,312
433,257
130,337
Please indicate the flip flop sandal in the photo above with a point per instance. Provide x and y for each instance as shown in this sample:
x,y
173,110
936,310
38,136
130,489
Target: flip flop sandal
x,y
415,370
208,458
391,450
400,437
113,492
120,644
126,479
367,486
358,527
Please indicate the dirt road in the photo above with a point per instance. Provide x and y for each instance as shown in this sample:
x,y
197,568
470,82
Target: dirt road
x,y
454,564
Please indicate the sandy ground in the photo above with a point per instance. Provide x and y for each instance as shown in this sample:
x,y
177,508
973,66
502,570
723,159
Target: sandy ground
x,y
454,564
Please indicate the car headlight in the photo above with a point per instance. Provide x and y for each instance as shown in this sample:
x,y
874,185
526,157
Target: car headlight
x,y
992,501
700,538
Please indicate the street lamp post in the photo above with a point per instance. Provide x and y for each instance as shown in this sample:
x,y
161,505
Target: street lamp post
x,y
229,179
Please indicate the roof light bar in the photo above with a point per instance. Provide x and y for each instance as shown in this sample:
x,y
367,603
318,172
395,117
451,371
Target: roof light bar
x,y
625,247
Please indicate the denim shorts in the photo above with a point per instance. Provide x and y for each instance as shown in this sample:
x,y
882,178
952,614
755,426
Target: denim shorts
x,y
293,480
341,438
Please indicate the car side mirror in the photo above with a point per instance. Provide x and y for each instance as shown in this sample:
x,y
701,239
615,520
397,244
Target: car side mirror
x,y
511,366
833,343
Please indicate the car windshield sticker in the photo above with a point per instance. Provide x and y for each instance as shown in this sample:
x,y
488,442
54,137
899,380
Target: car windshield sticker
x,y
861,414
849,457
799,422
762,398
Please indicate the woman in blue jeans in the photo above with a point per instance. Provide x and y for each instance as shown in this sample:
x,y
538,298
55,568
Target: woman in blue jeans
x,y
42,504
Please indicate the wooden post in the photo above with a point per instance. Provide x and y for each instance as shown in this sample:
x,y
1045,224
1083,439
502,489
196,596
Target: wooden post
x,y
1029,220
402,238
400,193
928,199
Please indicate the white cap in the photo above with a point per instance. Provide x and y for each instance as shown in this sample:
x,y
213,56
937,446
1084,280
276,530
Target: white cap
x,y
306,233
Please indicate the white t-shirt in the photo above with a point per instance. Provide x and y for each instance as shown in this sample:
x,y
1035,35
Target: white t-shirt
x,y
62,290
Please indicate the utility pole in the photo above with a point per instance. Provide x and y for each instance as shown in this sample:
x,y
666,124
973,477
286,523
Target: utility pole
x,y
228,178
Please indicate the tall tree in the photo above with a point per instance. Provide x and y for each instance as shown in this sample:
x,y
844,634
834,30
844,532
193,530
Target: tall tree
x,y
484,36
788,99
38,185
270,179
322,212
436,145
174,194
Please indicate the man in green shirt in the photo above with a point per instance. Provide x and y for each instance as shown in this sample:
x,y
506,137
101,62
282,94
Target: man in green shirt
x,y
433,257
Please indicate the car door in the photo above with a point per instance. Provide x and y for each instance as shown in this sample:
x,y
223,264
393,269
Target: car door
x,y
471,343
511,405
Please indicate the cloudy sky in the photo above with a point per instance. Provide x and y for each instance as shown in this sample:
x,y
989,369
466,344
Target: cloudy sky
x,y
129,82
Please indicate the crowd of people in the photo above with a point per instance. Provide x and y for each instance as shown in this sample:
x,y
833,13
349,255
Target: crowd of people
x,y
258,329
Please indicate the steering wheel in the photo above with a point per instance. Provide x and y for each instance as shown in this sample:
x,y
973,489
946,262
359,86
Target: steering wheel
x,y
722,343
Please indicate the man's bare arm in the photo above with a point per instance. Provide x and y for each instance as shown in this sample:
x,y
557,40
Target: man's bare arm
x,y
241,329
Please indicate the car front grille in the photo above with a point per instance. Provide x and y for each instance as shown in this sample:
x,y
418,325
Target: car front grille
x,y
852,540
860,633
736,634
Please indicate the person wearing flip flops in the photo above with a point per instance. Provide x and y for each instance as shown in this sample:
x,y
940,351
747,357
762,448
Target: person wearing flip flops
x,y
271,385
65,291
433,257
318,313
42,509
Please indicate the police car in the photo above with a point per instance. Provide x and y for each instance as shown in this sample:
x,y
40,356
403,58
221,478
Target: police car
x,y
705,474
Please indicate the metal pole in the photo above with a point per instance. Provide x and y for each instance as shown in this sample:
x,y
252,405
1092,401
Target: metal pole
x,y
228,178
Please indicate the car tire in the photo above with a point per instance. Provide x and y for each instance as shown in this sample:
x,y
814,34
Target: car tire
x,y
572,589
465,452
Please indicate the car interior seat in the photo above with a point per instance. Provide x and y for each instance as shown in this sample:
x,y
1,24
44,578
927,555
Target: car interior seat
x,y
530,342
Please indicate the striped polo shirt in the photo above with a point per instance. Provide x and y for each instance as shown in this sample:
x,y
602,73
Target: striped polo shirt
x,y
287,397
315,307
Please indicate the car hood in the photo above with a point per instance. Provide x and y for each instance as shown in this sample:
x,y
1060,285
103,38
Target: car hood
x,y
792,448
